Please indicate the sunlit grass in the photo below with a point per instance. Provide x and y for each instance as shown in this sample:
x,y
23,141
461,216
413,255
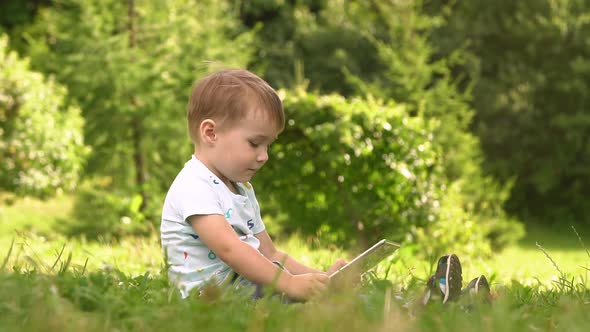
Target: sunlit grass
x,y
29,214
31,223
53,283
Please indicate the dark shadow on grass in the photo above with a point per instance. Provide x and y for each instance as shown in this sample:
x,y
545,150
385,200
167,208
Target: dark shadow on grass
x,y
556,237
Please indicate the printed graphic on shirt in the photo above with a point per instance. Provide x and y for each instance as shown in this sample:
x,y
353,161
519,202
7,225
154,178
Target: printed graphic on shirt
x,y
250,224
228,213
196,237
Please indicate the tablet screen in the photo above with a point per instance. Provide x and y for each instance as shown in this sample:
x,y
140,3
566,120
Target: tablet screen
x,y
368,259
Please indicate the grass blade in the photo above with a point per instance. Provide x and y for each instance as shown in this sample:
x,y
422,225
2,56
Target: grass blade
x,y
58,257
7,255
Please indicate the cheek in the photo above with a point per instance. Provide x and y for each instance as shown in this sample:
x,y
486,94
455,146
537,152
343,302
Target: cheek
x,y
239,154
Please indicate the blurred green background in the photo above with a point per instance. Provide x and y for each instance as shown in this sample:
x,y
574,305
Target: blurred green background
x,y
444,125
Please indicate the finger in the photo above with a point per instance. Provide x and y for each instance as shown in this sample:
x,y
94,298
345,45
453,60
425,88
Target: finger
x,y
322,277
317,289
320,282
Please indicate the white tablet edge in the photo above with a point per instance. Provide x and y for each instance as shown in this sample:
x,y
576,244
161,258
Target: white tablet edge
x,y
367,252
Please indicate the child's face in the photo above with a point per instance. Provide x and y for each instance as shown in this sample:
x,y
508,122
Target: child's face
x,y
240,151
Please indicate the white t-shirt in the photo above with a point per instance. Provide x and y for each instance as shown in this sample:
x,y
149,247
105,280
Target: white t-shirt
x,y
197,191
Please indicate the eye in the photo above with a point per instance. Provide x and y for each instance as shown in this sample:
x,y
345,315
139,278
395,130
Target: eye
x,y
252,144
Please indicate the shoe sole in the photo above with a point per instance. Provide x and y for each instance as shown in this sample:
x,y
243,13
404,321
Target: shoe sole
x,y
448,281
447,287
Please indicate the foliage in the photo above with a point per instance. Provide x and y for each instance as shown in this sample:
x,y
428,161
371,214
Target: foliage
x,y
77,285
413,72
274,24
515,74
41,143
345,167
356,48
16,13
130,66
461,230
103,213
99,301
296,43
55,294
531,96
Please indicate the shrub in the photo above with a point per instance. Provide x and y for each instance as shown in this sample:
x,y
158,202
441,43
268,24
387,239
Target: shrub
x,y
41,143
343,168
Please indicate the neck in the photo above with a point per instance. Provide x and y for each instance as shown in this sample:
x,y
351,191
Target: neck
x,y
228,183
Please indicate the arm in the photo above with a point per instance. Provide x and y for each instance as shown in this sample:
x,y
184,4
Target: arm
x,y
218,235
268,249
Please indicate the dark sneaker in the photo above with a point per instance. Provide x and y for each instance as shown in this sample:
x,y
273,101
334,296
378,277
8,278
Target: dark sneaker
x,y
432,291
446,283
478,287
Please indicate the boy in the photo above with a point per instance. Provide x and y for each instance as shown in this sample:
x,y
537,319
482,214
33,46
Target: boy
x,y
211,227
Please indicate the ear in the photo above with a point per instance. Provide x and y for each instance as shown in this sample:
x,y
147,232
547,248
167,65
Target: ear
x,y
207,130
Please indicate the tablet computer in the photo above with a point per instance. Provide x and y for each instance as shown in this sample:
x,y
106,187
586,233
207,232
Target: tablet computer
x,y
367,260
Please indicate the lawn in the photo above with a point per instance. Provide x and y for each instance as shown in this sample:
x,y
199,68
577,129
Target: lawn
x,y
51,283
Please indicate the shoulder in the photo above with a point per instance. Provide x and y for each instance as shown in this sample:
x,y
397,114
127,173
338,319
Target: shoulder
x,y
195,178
195,190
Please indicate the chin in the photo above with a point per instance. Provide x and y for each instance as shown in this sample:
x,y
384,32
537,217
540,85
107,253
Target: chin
x,y
242,179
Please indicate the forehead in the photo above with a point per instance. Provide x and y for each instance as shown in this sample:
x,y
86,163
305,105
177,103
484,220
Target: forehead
x,y
259,122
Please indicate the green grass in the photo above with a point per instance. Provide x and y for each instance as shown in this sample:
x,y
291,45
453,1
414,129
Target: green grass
x,y
51,283
33,215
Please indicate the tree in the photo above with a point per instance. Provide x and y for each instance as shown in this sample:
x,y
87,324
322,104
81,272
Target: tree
x,y
277,46
532,83
130,66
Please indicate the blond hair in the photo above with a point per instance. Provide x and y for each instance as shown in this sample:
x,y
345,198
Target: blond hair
x,y
227,96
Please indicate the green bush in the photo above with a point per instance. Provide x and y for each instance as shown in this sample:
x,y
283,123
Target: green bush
x,y
41,138
358,170
353,171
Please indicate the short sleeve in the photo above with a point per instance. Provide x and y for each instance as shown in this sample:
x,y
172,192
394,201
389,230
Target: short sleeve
x,y
197,198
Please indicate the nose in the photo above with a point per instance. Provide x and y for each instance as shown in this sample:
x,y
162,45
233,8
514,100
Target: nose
x,y
262,156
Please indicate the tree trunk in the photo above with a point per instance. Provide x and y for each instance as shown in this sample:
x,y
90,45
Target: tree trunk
x,y
139,162
136,122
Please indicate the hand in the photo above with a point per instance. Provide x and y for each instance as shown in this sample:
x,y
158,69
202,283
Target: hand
x,y
305,286
338,264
